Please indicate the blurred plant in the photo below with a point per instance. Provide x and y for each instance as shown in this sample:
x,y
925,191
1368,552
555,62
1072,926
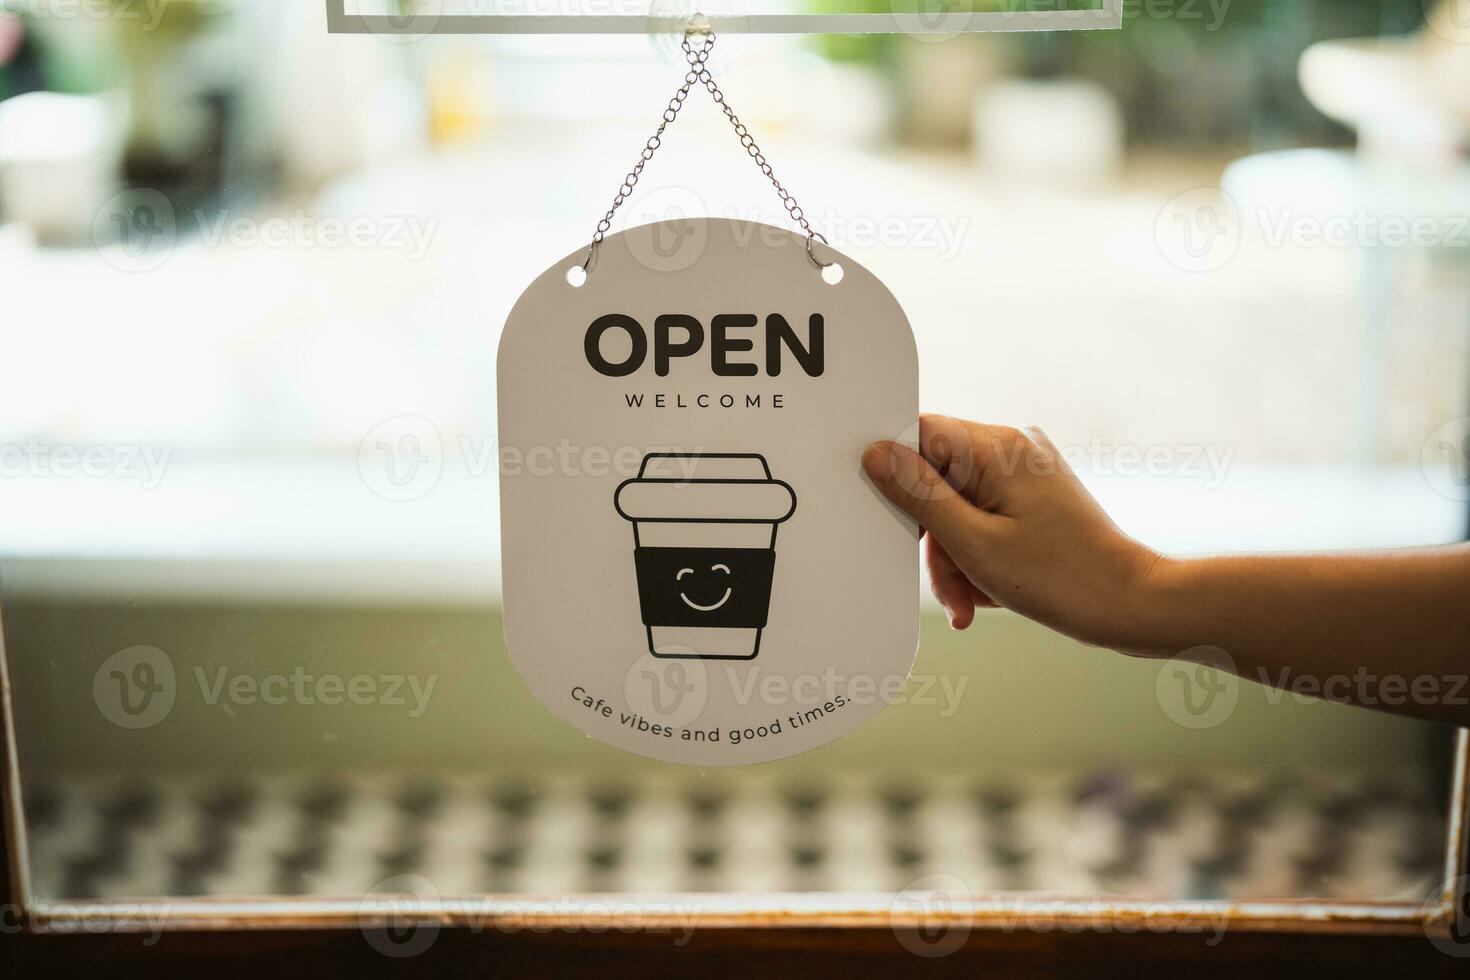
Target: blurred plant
x,y
174,116
1203,72
873,49
12,36
878,48
1213,71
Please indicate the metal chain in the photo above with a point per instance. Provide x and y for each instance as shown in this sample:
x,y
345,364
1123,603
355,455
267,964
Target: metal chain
x,y
699,73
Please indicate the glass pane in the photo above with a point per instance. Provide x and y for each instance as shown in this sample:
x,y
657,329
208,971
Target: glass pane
x,y
253,281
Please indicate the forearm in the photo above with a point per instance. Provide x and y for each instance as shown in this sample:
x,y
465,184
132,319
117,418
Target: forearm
x,y
1014,527
1389,630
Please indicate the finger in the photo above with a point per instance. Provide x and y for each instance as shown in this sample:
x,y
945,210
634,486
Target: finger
x,y
1036,435
950,586
975,457
967,593
946,443
1046,459
981,598
908,480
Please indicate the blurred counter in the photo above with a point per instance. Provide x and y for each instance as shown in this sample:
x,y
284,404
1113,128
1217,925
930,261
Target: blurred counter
x,y
338,530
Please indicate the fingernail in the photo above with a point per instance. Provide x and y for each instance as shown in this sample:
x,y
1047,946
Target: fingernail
x,y
878,462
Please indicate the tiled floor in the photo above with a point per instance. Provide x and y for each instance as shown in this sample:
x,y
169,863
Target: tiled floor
x,y
1105,833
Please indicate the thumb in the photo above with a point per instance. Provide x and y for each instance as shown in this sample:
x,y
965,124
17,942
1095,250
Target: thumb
x,y
907,479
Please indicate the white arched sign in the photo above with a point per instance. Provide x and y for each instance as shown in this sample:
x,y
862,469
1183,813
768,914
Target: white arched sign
x,y
695,567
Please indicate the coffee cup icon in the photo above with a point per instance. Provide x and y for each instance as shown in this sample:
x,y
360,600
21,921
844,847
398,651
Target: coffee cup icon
x,y
704,550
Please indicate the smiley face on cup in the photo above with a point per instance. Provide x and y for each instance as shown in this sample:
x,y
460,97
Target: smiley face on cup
x,y
729,591
704,537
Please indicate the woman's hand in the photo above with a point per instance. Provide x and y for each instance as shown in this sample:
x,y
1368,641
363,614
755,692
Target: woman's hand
x,y
1009,524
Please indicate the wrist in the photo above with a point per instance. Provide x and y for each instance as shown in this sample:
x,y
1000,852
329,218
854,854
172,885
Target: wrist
x,y
1156,604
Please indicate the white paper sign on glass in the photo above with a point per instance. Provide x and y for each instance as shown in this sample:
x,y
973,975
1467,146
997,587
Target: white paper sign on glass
x,y
695,568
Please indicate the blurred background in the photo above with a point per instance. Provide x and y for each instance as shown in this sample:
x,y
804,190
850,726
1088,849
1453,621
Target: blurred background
x,y
252,278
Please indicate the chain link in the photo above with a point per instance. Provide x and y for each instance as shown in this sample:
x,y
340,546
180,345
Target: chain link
x,y
699,73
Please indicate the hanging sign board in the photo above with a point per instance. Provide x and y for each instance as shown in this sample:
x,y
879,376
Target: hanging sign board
x,y
695,568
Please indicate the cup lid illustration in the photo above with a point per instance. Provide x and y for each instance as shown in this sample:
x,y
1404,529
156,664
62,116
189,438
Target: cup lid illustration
x,y
705,487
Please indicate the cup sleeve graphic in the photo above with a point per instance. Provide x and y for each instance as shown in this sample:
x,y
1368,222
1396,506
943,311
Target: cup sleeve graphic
x,y
704,550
